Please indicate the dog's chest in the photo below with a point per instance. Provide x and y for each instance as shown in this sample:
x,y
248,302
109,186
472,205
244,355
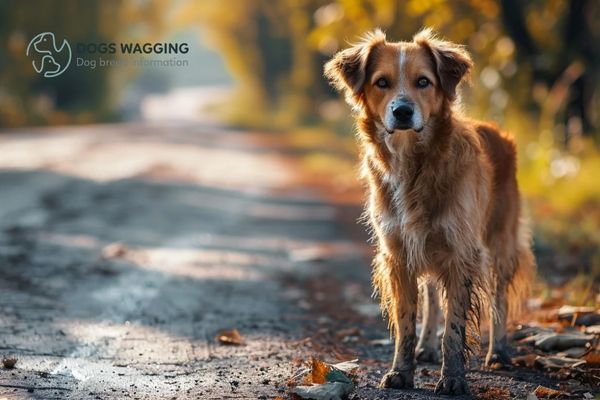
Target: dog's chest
x,y
405,209
394,203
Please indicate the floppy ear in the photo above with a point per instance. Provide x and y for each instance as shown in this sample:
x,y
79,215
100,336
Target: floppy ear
x,y
346,71
453,63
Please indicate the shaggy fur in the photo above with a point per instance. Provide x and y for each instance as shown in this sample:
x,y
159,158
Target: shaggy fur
x,y
443,202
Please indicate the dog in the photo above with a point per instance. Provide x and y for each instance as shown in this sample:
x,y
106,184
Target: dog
x,y
443,203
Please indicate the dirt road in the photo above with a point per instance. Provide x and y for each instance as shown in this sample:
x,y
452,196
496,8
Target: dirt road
x,y
125,248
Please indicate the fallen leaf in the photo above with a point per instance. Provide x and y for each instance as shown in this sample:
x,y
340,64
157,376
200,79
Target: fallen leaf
x,y
527,331
588,320
558,362
574,352
9,362
336,375
579,315
527,360
327,391
318,372
347,366
567,310
230,337
559,341
322,372
546,393
497,366
594,330
593,359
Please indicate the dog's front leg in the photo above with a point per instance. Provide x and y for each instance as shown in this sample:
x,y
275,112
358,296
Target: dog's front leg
x,y
404,293
458,294
428,346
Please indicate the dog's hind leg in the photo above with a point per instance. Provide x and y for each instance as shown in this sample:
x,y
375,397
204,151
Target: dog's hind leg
x,y
428,348
401,295
513,279
498,352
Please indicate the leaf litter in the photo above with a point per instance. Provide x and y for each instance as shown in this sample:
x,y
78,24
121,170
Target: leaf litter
x,y
324,381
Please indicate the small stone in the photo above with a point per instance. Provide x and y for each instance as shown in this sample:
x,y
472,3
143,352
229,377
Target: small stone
x,y
9,362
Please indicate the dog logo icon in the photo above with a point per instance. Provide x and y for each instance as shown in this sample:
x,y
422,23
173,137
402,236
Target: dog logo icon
x,y
47,57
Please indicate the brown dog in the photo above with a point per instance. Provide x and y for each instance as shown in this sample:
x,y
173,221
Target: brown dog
x,y
443,201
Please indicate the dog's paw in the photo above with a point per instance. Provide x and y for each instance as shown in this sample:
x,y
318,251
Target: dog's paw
x,y
398,380
498,360
452,386
427,354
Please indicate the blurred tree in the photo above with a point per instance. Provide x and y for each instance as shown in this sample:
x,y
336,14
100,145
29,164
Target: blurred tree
x,y
574,43
522,49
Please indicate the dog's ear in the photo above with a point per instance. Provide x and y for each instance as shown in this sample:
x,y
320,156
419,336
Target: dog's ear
x,y
346,71
453,63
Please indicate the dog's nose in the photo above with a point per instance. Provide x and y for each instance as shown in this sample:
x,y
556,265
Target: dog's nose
x,y
404,112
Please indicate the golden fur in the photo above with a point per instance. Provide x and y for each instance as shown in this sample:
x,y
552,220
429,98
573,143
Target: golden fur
x,y
443,201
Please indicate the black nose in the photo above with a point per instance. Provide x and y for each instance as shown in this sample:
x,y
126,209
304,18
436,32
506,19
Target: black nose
x,y
403,112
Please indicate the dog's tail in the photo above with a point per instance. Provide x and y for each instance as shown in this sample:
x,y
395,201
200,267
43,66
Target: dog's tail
x,y
525,270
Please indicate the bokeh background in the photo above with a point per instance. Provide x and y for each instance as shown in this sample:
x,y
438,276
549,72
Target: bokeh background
x,y
537,74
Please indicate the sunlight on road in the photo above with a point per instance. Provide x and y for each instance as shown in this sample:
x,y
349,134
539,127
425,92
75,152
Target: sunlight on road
x,y
185,104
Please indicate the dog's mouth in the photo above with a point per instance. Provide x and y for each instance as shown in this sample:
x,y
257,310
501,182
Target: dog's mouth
x,y
404,129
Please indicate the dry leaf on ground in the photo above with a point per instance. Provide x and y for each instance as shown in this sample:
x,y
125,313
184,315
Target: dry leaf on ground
x,y
543,392
327,391
593,330
323,381
528,331
579,315
593,359
348,367
230,337
318,372
558,362
559,341
527,360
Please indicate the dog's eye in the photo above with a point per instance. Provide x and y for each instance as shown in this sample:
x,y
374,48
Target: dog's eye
x,y
423,82
382,83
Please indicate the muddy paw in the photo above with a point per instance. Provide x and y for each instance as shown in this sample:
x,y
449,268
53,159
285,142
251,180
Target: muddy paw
x,y
398,380
498,360
427,354
452,386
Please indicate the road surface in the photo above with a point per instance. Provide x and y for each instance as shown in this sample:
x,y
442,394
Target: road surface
x,y
126,248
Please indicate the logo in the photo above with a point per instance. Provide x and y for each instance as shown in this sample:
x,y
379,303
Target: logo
x,y
47,58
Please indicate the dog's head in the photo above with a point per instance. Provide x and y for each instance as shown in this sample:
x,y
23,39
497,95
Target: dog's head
x,y
404,84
